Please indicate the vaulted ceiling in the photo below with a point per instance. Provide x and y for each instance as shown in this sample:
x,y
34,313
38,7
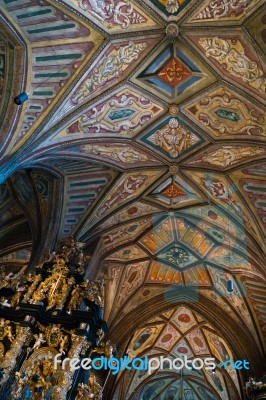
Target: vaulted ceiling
x,y
144,137
176,333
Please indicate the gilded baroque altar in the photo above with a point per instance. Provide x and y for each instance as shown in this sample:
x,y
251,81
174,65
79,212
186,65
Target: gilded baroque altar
x,y
53,310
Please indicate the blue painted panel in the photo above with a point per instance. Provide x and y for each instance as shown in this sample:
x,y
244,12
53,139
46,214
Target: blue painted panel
x,y
162,85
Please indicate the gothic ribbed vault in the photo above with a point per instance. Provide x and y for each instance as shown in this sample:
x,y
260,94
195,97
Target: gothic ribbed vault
x,y
143,137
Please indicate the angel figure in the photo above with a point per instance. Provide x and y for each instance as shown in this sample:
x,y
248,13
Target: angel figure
x,y
39,341
9,333
63,343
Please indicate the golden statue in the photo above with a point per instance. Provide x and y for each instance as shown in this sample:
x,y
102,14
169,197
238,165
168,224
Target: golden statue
x,y
91,391
100,335
36,380
39,340
16,298
6,330
94,291
54,288
77,295
32,281
104,348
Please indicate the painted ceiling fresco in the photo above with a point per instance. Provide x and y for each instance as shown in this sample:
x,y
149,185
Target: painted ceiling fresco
x,y
176,333
143,137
